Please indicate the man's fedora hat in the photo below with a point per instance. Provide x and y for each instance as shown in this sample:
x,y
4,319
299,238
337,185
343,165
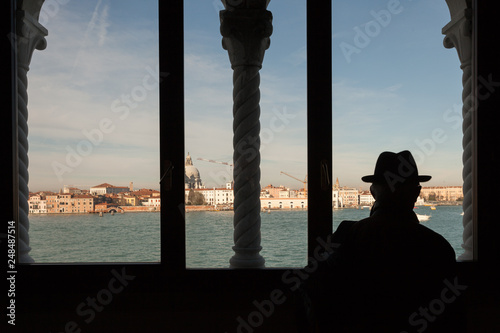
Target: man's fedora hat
x,y
395,168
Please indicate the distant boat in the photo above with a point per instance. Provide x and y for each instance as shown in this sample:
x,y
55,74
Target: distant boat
x,y
433,207
100,214
422,218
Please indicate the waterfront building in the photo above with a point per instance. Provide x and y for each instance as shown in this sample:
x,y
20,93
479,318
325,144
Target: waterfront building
x,y
442,193
153,202
215,196
145,193
366,198
81,203
52,203
131,200
61,203
336,199
37,204
106,188
74,190
271,191
344,196
283,203
264,193
64,201
103,206
349,196
284,193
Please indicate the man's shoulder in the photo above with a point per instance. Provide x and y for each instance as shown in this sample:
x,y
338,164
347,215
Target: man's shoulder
x,y
400,231
343,231
433,236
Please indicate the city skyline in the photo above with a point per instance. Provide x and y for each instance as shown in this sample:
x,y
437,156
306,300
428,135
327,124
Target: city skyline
x,y
94,99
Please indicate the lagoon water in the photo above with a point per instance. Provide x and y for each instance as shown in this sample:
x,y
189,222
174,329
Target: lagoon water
x,y
135,237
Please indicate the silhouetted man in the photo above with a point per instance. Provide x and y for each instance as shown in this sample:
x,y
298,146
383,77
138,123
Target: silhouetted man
x,y
387,269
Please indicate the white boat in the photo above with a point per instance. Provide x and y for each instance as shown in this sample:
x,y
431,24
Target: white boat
x,y
422,218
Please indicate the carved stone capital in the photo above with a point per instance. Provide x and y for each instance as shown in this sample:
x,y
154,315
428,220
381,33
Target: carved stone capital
x,y
239,4
458,32
30,36
245,28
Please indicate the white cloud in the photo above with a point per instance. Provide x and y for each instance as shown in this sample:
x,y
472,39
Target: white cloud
x,y
103,25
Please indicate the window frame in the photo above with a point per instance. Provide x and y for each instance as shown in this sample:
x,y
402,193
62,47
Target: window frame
x,y
319,149
70,284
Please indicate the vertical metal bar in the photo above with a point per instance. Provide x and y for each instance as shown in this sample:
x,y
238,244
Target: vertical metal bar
x,y
171,48
319,121
488,99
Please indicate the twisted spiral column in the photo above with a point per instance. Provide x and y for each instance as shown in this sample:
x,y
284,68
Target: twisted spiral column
x,y
246,27
459,35
22,121
30,36
467,160
246,156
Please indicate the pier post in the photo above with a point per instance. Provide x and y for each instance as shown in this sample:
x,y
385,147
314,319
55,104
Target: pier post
x,y
246,26
459,35
30,35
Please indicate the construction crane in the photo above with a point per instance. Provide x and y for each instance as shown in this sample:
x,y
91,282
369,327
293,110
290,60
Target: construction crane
x,y
300,180
229,173
212,161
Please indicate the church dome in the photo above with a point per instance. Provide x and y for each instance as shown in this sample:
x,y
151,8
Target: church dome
x,y
192,172
192,177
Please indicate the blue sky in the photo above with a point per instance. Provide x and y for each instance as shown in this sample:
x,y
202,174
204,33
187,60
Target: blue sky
x,y
94,102
401,91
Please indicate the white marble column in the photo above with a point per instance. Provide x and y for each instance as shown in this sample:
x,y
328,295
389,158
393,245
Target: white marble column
x,y
458,34
245,27
30,35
